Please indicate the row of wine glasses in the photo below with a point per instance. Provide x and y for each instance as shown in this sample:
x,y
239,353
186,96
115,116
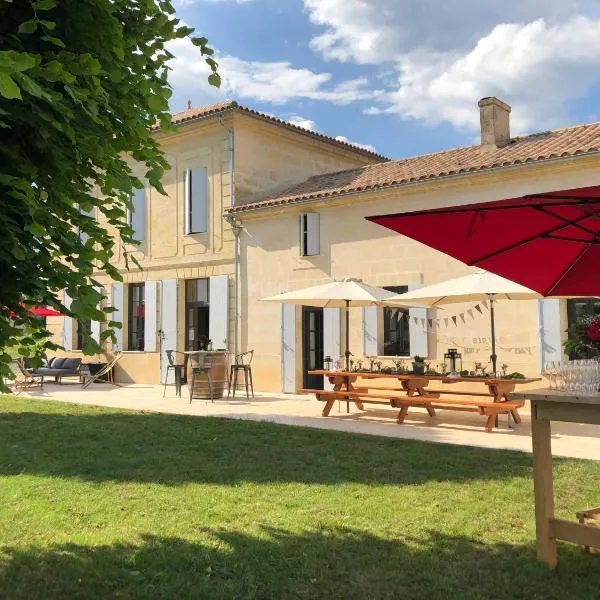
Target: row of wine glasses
x,y
576,376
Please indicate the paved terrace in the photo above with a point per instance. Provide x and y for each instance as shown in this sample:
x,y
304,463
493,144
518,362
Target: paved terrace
x,y
465,429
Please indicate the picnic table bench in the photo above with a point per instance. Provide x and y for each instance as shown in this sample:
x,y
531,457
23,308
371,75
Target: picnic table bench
x,y
414,393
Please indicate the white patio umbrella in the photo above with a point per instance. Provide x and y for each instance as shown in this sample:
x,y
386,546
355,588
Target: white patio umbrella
x,y
476,287
337,294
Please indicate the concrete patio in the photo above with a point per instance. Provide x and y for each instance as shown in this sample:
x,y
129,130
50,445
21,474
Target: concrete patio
x,y
569,440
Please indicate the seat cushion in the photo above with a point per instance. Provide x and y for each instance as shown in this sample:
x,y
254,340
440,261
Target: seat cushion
x,y
57,362
71,364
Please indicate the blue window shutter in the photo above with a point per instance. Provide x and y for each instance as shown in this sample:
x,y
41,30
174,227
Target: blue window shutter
x,y
331,336
288,348
370,331
150,288
67,341
117,315
417,331
196,200
550,331
138,215
218,308
168,322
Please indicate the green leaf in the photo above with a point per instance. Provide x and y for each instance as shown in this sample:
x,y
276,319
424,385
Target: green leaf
x,y
31,87
11,61
8,88
36,229
28,26
214,79
48,24
53,40
44,4
156,103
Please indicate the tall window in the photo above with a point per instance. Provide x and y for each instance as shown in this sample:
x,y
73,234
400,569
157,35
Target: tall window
x,y
310,234
84,329
197,314
577,309
396,337
196,200
136,316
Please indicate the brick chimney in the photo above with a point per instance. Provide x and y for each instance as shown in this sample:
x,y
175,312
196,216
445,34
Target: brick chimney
x,y
494,116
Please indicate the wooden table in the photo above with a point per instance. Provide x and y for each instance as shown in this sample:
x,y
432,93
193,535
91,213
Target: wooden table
x,y
546,406
217,359
499,389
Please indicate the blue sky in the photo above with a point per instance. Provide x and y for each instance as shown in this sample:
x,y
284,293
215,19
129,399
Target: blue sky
x,y
398,76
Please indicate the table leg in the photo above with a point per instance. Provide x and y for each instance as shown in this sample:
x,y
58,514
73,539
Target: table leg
x,y
327,408
543,488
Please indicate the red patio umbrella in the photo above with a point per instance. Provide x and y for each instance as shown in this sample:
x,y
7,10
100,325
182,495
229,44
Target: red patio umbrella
x,y
42,311
548,242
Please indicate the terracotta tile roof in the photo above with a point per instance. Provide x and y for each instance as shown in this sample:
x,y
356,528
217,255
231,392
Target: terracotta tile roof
x,y
202,112
561,143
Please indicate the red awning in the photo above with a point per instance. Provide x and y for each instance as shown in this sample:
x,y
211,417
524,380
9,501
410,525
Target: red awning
x,y
547,242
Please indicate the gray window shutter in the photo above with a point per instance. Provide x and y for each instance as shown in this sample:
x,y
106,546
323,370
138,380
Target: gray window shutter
x,y
168,322
218,311
550,331
331,336
84,237
288,348
150,288
95,325
370,333
196,200
417,331
117,315
67,341
313,241
138,215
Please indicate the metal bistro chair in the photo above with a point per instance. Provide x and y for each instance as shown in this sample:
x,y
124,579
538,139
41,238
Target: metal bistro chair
x,y
198,367
242,363
180,370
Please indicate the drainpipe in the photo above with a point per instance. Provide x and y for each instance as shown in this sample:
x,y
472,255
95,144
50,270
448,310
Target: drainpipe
x,y
236,228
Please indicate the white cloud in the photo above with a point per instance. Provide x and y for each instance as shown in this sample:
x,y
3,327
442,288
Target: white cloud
x,y
343,138
538,68
302,122
438,58
275,82
375,31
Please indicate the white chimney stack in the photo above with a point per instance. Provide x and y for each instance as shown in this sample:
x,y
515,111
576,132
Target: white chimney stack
x,y
494,116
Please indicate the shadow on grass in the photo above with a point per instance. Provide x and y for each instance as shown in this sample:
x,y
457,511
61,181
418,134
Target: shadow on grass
x,y
97,444
278,564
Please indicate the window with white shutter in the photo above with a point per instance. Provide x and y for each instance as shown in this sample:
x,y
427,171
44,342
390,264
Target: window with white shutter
x,y
196,200
310,234
136,216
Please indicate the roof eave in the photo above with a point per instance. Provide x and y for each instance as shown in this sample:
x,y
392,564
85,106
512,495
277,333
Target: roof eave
x,y
455,176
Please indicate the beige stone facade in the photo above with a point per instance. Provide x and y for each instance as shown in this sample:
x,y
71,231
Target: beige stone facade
x,y
245,155
350,246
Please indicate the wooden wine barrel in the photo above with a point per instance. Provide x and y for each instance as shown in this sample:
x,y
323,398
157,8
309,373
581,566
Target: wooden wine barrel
x,y
219,365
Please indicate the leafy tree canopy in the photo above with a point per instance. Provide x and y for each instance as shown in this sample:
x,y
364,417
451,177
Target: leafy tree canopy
x,y
81,84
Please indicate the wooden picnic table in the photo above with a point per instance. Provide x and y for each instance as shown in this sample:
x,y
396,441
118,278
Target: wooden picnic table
x,y
416,387
547,406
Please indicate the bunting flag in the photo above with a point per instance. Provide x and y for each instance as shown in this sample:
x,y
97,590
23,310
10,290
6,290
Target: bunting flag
x,y
430,323
446,322
416,320
470,313
454,319
437,323
485,303
462,317
478,309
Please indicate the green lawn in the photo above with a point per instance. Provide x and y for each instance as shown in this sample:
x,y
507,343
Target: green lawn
x,y
100,503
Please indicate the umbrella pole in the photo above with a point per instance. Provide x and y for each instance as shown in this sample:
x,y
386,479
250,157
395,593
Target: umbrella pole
x,y
347,353
494,357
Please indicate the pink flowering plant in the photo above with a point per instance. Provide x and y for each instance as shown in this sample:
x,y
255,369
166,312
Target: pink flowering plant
x,y
584,338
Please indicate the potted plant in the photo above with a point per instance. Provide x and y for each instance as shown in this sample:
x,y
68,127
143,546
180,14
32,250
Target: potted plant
x,y
418,365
